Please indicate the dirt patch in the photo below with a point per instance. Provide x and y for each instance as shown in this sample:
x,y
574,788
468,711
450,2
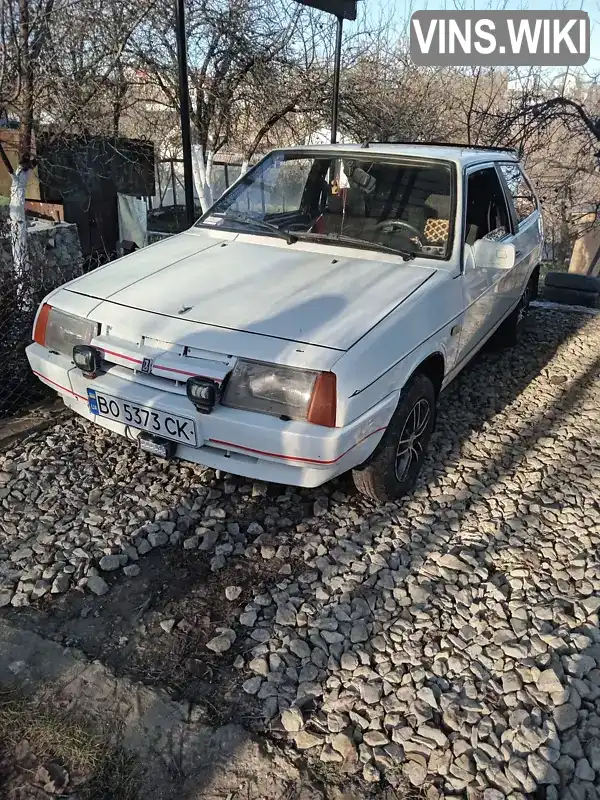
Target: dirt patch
x,y
32,420
123,629
45,752
181,757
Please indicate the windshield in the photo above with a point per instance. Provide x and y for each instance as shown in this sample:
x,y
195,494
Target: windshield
x,y
400,204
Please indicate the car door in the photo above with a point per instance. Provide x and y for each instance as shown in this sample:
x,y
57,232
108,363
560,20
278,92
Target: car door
x,y
487,289
527,221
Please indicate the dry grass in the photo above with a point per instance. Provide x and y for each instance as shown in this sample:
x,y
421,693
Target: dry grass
x,y
550,266
99,768
117,779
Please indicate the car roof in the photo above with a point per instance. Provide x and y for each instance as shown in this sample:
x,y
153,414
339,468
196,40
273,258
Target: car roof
x,y
458,154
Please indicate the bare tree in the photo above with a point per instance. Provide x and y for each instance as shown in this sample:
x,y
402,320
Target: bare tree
x,y
252,65
556,126
24,28
60,62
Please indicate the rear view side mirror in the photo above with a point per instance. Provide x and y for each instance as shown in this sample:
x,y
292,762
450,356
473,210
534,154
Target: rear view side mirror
x,y
497,255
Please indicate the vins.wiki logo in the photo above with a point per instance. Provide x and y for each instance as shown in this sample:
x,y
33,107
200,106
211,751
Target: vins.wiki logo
x,y
500,38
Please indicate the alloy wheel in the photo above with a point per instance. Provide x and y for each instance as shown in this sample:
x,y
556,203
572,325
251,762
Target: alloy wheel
x,y
410,444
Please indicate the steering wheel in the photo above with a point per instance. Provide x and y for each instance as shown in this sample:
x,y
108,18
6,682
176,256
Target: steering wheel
x,y
390,224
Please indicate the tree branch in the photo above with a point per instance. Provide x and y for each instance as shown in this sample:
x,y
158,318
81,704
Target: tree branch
x,y
5,161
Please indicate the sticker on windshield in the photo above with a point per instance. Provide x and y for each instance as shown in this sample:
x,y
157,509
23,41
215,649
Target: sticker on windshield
x,y
210,221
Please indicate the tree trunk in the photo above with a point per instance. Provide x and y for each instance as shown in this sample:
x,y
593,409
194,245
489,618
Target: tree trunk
x,y
564,244
19,178
18,237
116,114
200,177
120,91
209,166
26,99
585,259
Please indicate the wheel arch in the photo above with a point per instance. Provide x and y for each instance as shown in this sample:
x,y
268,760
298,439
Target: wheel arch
x,y
372,477
434,367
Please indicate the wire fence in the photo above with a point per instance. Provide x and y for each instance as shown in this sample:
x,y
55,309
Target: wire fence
x,y
48,268
170,185
50,265
166,210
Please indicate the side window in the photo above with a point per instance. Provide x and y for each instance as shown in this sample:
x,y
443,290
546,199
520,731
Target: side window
x,y
486,211
522,195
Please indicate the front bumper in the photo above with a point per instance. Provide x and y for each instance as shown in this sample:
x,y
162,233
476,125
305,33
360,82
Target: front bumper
x,y
244,443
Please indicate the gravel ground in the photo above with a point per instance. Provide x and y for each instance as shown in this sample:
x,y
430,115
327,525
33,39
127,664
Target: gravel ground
x,y
450,642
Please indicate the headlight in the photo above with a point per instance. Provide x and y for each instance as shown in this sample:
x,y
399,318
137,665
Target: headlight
x,y
282,391
60,331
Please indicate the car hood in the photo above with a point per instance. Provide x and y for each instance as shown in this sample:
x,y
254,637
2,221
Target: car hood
x,y
288,292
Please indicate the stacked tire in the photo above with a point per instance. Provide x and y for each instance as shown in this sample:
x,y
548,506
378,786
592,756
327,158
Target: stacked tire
x,y
572,289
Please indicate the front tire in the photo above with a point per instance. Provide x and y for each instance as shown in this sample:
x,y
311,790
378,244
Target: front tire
x,y
392,470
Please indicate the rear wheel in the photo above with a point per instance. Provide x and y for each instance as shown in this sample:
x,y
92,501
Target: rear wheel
x,y
392,470
509,332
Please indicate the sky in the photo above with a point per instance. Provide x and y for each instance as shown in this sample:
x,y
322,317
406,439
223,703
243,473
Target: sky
x,y
402,9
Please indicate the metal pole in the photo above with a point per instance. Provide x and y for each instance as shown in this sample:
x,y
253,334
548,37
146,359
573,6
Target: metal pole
x,y
173,185
184,111
336,79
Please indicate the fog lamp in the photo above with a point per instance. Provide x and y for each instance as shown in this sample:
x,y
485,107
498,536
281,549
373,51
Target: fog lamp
x,y
203,393
87,359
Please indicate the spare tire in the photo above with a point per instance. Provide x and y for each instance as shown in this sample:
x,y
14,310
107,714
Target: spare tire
x,y
572,297
572,280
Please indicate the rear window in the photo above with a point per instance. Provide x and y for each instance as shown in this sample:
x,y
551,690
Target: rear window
x,y
521,192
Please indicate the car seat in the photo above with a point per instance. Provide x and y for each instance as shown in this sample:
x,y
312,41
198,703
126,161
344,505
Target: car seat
x,y
344,213
437,222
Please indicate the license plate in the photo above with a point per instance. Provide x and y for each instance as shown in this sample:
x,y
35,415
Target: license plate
x,y
160,423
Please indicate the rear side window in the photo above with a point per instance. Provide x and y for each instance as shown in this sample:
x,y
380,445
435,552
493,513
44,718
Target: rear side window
x,y
521,192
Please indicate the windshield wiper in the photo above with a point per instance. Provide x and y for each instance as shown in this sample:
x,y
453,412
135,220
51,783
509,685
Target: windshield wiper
x,y
340,237
247,219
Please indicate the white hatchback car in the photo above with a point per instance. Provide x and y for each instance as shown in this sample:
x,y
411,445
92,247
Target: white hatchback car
x,y
307,323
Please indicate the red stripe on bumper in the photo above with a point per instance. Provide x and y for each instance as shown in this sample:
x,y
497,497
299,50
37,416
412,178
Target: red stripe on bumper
x,y
185,372
295,458
58,386
120,355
